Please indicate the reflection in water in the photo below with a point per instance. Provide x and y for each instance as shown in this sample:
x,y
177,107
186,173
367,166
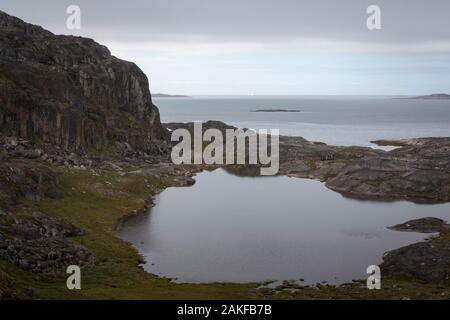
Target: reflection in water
x,y
243,229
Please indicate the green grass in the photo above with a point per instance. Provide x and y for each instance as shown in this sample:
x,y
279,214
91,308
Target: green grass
x,y
96,202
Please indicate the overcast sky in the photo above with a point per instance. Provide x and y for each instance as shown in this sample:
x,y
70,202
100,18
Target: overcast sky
x,y
266,46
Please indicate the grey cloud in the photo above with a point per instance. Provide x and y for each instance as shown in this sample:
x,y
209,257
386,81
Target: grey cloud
x,y
406,22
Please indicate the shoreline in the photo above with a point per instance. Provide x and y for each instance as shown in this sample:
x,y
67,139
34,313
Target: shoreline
x,y
288,287
82,146
117,182
183,177
417,171
289,283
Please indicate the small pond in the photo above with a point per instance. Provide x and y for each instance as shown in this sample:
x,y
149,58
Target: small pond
x,y
228,228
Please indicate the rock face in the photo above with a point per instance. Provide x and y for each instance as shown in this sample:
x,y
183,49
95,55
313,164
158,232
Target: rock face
x,y
38,244
70,92
428,261
21,180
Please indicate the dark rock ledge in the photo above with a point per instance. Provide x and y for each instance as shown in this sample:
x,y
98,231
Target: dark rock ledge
x,y
428,260
39,244
419,170
30,239
423,225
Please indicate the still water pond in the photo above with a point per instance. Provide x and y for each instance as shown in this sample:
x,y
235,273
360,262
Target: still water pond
x,y
243,229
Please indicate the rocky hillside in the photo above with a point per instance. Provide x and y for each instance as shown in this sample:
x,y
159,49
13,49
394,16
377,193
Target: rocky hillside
x,y
71,92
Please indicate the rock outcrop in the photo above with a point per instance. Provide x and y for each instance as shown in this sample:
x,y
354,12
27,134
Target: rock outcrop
x,y
29,181
419,170
71,92
428,260
39,244
423,225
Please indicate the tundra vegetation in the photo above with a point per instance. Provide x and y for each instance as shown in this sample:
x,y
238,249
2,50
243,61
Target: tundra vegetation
x,y
82,147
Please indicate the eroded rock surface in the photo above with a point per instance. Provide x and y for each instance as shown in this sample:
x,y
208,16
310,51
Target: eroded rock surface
x,y
39,244
71,92
30,181
419,170
428,260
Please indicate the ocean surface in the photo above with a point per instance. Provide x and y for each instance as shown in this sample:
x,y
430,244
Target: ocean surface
x,y
336,120
242,229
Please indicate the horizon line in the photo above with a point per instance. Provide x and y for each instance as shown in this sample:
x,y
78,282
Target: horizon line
x,y
187,95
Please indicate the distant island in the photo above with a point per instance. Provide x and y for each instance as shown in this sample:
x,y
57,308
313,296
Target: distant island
x,y
276,110
164,95
435,96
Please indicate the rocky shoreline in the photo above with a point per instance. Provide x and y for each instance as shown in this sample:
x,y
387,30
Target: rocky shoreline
x,y
418,171
33,179
82,145
429,260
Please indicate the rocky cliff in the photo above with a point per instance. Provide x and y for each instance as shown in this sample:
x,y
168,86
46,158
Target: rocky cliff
x,y
71,92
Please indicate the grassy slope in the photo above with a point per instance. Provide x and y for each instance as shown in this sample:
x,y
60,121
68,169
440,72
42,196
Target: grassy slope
x,y
96,202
